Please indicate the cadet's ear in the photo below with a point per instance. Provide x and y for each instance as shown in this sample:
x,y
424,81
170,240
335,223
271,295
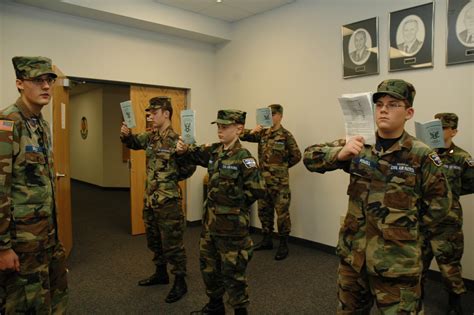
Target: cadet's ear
x,y
410,111
240,128
19,85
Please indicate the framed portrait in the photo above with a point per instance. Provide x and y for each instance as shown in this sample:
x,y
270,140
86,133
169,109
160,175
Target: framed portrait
x,y
411,38
460,32
360,48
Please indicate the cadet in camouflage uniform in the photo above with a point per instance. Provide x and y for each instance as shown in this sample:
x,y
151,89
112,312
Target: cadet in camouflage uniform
x,y
447,243
32,260
234,185
163,212
277,152
395,186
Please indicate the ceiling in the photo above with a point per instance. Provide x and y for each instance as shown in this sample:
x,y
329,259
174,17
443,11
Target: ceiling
x,y
227,10
208,21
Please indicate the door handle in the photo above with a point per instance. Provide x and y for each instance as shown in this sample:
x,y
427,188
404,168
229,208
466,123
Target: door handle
x,y
60,175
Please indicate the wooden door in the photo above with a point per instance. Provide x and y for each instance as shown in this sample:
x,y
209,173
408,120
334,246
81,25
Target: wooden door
x,y
62,193
140,97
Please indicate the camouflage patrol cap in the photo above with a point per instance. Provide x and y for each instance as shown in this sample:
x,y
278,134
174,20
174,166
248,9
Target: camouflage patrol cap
x,y
158,102
449,120
230,116
32,67
276,108
397,88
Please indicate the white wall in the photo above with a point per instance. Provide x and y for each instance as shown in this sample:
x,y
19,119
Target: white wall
x,y
87,154
91,49
292,56
115,171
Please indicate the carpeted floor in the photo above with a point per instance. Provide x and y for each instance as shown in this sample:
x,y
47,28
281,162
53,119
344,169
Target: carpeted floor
x,y
106,263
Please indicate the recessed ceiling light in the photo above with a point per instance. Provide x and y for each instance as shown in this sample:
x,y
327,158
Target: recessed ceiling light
x,y
218,1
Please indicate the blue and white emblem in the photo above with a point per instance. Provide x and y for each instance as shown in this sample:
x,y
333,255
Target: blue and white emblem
x,y
250,163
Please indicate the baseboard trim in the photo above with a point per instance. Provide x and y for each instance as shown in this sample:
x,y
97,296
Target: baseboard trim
x,y
432,274
100,187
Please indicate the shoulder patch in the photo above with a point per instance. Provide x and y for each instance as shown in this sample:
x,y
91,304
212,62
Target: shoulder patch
x,y
249,162
470,162
6,125
435,159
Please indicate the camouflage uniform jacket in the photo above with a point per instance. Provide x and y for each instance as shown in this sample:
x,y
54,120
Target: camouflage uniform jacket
x,y
27,209
234,185
391,194
459,168
277,151
162,169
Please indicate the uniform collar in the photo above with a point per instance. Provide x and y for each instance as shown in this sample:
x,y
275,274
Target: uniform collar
x,y
447,151
405,142
230,151
33,121
25,111
269,131
163,134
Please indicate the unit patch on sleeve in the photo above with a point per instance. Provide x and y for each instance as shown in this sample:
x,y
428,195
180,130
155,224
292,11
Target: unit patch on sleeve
x,y
250,162
435,158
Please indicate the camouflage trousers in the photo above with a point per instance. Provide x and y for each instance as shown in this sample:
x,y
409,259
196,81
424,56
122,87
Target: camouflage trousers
x,y
40,287
357,292
277,199
223,262
447,248
164,227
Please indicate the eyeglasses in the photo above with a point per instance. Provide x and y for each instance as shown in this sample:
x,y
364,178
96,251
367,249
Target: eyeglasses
x,y
41,81
390,106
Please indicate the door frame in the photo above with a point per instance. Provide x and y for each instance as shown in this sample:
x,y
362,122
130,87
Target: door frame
x,y
129,84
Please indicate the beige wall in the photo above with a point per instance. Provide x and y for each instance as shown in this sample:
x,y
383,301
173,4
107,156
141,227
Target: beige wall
x,y
98,159
85,48
115,171
292,56
87,154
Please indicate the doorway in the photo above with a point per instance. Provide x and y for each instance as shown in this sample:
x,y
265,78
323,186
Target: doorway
x,y
98,158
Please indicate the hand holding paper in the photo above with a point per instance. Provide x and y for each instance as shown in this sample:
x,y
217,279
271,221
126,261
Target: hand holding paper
x,y
351,149
128,115
188,126
125,131
358,116
264,117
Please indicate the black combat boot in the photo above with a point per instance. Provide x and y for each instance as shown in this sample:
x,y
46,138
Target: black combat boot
x,y
159,277
282,251
178,290
240,311
214,307
265,243
454,307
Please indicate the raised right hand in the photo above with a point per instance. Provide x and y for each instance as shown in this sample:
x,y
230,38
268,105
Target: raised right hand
x,y
181,147
257,128
351,149
124,130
